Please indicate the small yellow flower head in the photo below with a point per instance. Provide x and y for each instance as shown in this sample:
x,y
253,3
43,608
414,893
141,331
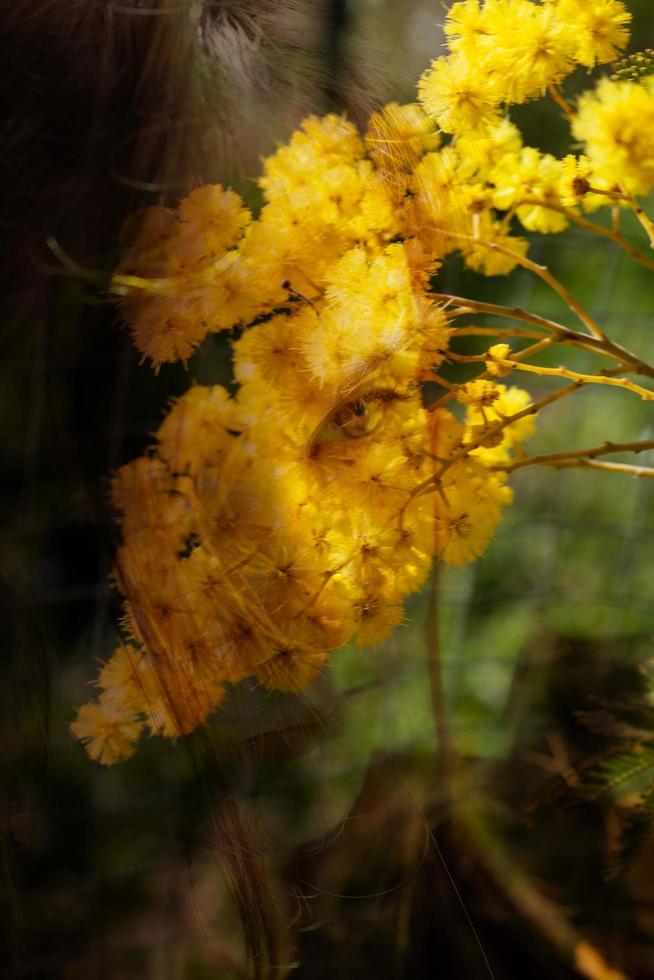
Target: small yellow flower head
x,y
107,731
295,659
490,261
397,137
211,221
533,48
466,514
457,95
497,354
466,25
486,151
197,429
600,28
481,394
495,443
616,124
574,183
530,176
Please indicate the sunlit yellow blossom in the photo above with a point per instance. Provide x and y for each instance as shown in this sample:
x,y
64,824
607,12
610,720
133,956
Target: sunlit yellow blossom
x,y
197,429
496,355
616,124
530,176
533,48
108,733
481,394
375,616
491,417
211,221
466,515
458,96
491,261
296,659
396,138
600,28
466,25
486,150
574,182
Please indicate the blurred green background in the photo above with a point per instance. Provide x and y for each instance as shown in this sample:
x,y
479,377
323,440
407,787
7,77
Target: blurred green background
x,y
343,799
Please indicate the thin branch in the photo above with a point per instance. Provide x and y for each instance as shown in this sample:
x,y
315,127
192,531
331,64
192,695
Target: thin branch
x,y
612,234
561,101
539,270
474,331
576,456
562,372
592,464
640,214
434,480
604,346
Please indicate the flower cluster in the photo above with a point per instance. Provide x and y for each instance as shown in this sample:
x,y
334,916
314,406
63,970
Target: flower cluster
x,y
505,52
510,51
265,529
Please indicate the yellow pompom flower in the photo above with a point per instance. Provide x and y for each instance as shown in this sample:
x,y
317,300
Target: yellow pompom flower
x,y
615,122
484,258
466,514
106,730
458,96
600,27
396,138
466,26
211,221
531,48
497,354
485,151
197,429
483,416
531,176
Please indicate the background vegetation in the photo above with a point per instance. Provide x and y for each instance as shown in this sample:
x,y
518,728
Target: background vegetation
x,y
389,851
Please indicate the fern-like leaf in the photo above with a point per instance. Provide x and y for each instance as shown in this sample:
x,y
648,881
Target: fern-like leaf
x,y
634,67
637,826
630,770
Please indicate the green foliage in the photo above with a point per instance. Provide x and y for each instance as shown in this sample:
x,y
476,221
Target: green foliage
x,y
634,66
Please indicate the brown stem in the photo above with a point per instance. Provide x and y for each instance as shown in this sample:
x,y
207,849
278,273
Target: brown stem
x,y
552,459
604,346
539,270
561,101
612,234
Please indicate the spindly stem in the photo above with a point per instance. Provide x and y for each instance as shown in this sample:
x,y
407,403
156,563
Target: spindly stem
x,y
561,372
605,346
561,101
612,234
474,331
596,464
433,482
541,271
640,214
580,456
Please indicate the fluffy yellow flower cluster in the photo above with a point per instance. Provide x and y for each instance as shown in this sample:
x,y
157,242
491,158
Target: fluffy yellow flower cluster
x,y
616,124
504,52
510,51
266,529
